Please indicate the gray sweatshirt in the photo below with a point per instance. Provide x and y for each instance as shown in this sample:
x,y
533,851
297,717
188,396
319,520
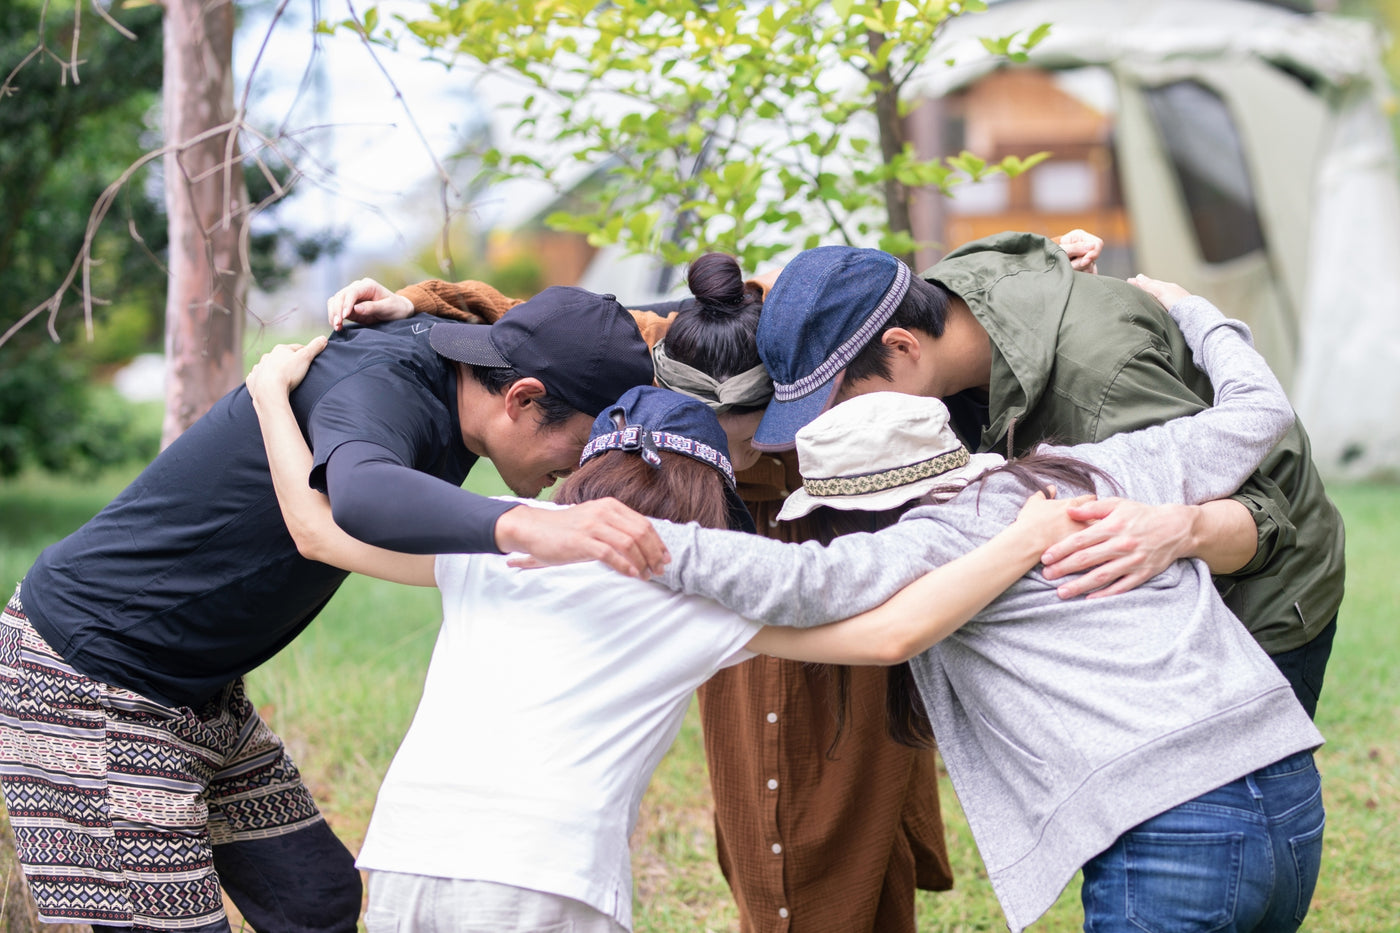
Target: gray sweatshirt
x,y
1063,723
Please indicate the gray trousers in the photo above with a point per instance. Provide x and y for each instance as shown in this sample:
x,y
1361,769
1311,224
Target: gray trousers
x,y
400,902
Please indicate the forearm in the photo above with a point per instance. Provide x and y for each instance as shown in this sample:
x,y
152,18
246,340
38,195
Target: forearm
x,y
464,301
1208,455
1223,534
918,616
809,584
307,512
424,514
1251,412
791,584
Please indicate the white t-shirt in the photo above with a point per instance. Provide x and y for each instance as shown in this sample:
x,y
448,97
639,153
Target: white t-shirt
x,y
551,697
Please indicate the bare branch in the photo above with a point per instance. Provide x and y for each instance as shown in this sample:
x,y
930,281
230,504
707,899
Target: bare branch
x,y
8,87
77,35
286,144
84,262
125,33
444,180
257,59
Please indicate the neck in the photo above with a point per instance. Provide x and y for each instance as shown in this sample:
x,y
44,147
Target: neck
x,y
474,410
964,352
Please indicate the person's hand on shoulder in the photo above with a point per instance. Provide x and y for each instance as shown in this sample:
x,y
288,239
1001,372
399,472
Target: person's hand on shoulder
x,y
365,301
1050,520
1126,544
282,368
1166,293
602,529
1083,250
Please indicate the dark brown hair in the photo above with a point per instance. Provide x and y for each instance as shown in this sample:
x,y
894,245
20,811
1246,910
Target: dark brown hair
x,y
905,719
718,335
682,490
923,308
498,379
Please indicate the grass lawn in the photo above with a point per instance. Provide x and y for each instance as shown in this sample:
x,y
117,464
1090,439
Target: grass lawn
x,y
344,692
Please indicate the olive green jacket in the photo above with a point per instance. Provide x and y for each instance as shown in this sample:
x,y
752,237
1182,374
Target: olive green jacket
x,y
1079,357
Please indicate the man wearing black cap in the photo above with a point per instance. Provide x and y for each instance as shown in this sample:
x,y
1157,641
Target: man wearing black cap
x,y
137,775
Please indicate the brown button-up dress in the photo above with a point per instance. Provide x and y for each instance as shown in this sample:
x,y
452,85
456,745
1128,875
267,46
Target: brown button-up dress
x,y
811,838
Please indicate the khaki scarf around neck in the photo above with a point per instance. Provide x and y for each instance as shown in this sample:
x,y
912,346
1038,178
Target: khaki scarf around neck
x,y
751,388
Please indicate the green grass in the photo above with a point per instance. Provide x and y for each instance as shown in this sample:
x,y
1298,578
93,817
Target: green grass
x,y
344,692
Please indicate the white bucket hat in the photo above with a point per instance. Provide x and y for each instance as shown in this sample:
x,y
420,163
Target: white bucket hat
x,y
878,451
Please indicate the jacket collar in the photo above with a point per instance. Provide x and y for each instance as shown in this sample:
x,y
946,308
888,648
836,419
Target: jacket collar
x,y
1017,285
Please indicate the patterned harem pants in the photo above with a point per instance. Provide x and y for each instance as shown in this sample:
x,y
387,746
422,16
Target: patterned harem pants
x,y
129,812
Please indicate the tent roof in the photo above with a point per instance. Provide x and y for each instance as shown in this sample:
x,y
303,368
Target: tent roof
x,y
1329,49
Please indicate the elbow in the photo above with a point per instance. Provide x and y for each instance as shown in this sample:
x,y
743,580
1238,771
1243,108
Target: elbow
x,y
310,545
1287,418
893,648
352,516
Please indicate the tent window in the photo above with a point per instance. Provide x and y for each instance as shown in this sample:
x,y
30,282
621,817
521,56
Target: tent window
x,y
1064,187
1205,150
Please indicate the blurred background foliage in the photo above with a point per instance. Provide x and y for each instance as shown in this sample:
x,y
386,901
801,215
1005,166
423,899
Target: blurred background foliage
x,y
62,143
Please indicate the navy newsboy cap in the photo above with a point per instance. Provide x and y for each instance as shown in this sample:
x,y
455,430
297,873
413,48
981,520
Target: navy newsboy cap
x,y
826,305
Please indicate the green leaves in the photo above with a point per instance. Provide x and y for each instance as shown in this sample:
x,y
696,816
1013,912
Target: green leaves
x,y
725,125
1008,47
1013,166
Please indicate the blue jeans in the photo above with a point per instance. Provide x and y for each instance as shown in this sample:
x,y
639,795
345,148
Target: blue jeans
x,y
1242,857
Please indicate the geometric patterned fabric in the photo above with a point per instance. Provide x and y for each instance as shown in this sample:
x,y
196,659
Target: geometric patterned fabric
x,y
117,801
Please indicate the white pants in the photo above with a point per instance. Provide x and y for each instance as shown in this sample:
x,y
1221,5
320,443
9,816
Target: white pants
x,y
401,903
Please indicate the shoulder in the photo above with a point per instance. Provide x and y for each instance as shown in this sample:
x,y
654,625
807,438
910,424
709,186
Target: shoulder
x,y
364,366
1108,327
361,346
1102,307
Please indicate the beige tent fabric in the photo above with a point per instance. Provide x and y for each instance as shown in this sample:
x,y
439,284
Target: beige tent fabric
x,y
1347,388
1324,296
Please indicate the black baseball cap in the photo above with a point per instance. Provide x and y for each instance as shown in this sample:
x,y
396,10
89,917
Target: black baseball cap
x,y
584,347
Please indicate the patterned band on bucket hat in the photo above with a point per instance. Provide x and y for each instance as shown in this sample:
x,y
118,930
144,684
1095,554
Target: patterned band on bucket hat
x,y
878,451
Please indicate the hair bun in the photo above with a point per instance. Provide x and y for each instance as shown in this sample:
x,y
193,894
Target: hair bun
x,y
716,336
717,283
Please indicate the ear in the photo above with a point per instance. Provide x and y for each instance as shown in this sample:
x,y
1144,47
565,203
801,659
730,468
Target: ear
x,y
521,395
903,342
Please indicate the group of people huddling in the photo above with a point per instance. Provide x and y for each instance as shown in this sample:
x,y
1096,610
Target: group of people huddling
x,y
1067,525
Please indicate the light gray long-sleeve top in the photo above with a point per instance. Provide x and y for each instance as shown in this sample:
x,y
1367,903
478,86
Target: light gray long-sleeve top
x,y
1063,723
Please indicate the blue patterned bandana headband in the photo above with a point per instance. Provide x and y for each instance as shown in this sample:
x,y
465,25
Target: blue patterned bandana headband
x,y
638,439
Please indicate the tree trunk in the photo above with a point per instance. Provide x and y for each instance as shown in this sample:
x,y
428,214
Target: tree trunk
x,y
205,198
891,144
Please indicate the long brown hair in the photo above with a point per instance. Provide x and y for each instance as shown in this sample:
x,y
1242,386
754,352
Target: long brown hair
x,y
904,711
682,490
906,718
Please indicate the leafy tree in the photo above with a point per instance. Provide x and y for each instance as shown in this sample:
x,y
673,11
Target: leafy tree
x,y
66,133
61,144
729,124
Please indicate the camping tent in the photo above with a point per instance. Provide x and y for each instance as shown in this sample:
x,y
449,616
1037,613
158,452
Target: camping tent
x,y
1257,167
